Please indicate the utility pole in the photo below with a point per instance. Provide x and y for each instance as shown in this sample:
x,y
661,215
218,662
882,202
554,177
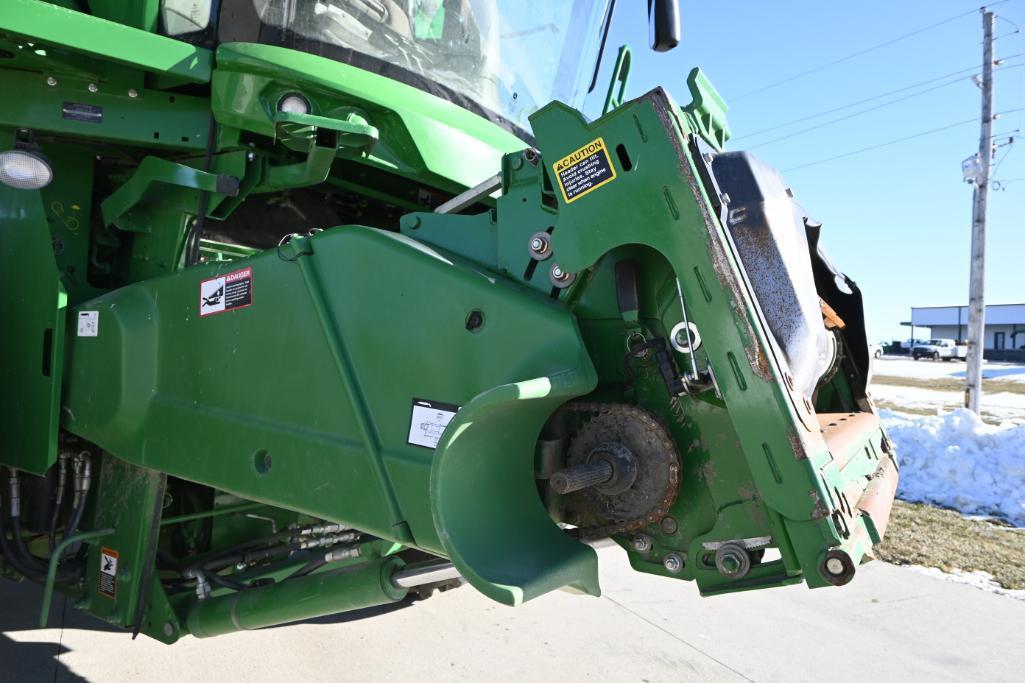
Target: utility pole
x,y
976,286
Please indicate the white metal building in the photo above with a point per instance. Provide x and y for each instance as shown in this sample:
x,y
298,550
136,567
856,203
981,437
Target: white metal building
x,y
1005,324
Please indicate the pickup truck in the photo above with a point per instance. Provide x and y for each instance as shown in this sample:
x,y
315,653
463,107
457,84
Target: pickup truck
x,y
939,349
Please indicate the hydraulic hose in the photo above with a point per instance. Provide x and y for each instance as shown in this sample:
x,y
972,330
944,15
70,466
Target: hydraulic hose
x,y
14,492
18,564
9,554
62,480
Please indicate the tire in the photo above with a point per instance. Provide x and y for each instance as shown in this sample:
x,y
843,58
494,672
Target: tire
x,y
877,354
935,355
946,360
915,356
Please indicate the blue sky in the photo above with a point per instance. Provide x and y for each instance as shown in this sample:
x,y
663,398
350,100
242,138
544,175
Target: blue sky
x,y
896,219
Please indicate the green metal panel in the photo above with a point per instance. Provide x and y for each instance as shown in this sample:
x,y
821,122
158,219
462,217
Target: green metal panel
x,y
138,13
319,373
56,26
32,306
483,489
153,119
779,436
421,136
129,499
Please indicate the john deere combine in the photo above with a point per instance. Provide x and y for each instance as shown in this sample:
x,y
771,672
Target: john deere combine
x,y
314,305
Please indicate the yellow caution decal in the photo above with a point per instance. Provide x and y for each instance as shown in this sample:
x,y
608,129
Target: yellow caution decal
x,y
586,169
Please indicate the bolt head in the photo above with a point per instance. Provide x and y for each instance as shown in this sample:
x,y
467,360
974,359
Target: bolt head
x,y
250,156
93,87
668,525
641,543
558,273
536,244
731,564
834,566
133,93
673,563
51,81
168,629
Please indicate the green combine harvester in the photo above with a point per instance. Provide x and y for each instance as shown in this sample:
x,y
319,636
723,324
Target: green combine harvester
x,y
317,305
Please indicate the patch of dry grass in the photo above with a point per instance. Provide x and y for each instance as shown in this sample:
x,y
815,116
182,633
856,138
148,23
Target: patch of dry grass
x,y
949,384
934,537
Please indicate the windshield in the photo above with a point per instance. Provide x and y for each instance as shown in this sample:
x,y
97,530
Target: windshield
x,y
500,58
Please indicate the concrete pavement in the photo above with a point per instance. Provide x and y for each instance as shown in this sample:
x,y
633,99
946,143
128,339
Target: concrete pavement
x,y
889,624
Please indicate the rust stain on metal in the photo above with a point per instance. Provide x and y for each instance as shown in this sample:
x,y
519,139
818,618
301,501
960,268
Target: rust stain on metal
x,y
721,262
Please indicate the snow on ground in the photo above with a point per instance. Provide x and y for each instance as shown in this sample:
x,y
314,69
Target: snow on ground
x,y
996,407
955,460
981,580
902,366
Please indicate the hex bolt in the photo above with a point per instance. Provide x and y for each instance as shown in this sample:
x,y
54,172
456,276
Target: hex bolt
x,y
641,543
51,81
93,87
732,560
730,564
539,246
673,563
560,278
250,156
668,525
834,566
133,93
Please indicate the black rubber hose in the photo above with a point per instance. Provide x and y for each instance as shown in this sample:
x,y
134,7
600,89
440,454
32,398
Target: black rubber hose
x,y
308,568
225,582
19,545
76,516
55,517
9,554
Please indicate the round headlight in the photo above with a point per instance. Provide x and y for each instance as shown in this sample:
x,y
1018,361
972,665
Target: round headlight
x,y
24,170
294,103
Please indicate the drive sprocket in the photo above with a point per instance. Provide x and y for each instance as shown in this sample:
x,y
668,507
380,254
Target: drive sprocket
x,y
657,481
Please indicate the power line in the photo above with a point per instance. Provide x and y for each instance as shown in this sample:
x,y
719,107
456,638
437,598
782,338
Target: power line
x,y
897,91
859,53
865,111
894,142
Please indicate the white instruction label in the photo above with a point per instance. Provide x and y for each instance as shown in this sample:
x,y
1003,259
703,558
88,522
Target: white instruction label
x,y
428,420
88,323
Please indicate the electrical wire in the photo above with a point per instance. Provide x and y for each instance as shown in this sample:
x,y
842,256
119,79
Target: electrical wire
x,y
859,53
854,115
893,142
897,91
863,111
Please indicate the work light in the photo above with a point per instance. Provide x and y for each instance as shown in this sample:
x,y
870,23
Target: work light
x,y
24,170
294,103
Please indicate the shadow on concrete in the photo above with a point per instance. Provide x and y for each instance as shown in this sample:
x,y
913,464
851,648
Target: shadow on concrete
x,y
38,660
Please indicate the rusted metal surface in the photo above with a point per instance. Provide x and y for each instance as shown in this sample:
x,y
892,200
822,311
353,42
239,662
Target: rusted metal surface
x,y
877,500
656,490
846,434
830,317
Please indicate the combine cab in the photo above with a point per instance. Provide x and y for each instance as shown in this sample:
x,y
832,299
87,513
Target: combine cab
x,y
314,305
